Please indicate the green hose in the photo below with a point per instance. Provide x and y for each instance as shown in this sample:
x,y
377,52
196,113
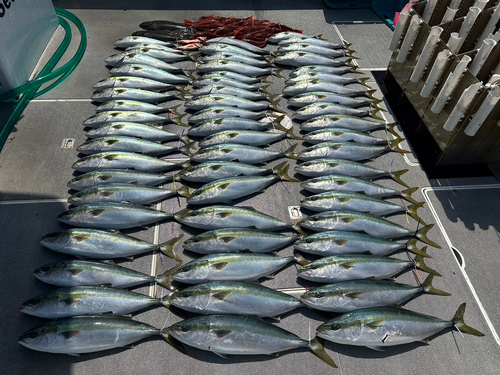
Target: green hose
x,y
30,89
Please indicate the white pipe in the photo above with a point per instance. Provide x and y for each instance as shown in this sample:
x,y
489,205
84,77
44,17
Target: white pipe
x,y
467,25
436,71
400,27
480,4
454,42
497,69
423,59
490,26
462,105
450,84
483,111
410,36
482,55
495,37
455,4
429,9
449,15
494,80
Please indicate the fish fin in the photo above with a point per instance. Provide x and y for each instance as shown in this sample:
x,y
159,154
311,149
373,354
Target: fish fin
x,y
363,80
173,342
110,157
318,349
227,239
340,243
165,279
347,265
220,266
221,296
225,185
275,355
107,285
184,192
96,213
300,259
221,355
277,73
221,333
284,176
406,194
107,193
422,236
342,183
376,348
412,211
425,341
429,289
81,238
374,325
167,248
299,230
391,129
458,321
279,167
353,295
396,176
344,200
290,152
70,300
347,220
225,215
419,262
411,246
394,146
76,271
69,334
75,354
271,276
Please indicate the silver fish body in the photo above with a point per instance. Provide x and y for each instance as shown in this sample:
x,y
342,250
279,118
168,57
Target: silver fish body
x,y
214,48
111,176
239,43
298,59
347,184
218,124
312,85
223,56
228,90
321,69
311,48
131,82
325,167
342,150
149,72
157,53
215,170
224,111
131,129
130,41
236,152
125,144
131,94
233,66
129,105
309,40
127,116
211,80
211,100
339,135
302,100
246,137
320,109
235,76
126,58
340,121
341,80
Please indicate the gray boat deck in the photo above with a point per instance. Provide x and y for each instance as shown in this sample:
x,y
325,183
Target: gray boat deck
x,y
34,170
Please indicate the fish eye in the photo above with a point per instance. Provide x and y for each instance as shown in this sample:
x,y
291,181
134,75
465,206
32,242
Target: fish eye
x,y
31,335
195,240
185,269
314,198
335,327
313,267
34,301
44,269
197,192
318,295
308,240
186,294
184,328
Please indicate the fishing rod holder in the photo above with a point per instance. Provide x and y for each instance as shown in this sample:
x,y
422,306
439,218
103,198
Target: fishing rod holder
x,y
442,88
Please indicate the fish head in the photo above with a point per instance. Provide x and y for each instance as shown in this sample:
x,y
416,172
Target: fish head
x,y
330,298
81,214
88,163
345,329
199,242
50,273
195,297
84,181
36,339
96,119
116,59
193,332
194,271
29,306
78,198
101,130
56,241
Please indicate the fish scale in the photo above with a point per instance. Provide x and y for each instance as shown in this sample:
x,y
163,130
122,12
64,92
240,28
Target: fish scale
x,y
149,72
131,82
109,176
123,160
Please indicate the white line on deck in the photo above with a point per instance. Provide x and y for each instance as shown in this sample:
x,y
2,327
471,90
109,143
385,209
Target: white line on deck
x,y
450,245
61,100
29,201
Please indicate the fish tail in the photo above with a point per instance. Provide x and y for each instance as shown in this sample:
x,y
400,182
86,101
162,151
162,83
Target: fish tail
x,y
165,279
283,174
193,55
174,110
412,211
419,262
458,321
350,63
185,139
406,195
319,351
429,289
186,149
277,73
369,93
289,153
390,128
180,122
190,73
373,114
165,300
396,176
172,341
350,53
279,167
183,95
290,134
422,236
411,246
375,104
298,229
167,248
363,81
300,259
274,99
394,146
184,192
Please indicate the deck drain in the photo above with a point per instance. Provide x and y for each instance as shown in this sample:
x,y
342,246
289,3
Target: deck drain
x,y
294,212
68,143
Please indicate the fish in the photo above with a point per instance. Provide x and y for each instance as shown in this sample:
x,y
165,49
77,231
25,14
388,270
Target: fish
x,y
228,90
87,300
214,100
337,268
340,121
236,58
126,58
149,72
127,116
218,124
228,189
312,48
230,267
379,327
112,216
360,222
166,35
111,176
284,35
298,59
320,109
341,80
322,69
347,296
121,193
163,25
214,48
86,334
236,76
324,167
342,243
240,153
224,111
233,297
239,43
130,41
130,105
236,334
131,94
101,244
311,40
131,82
237,239
132,129
159,54
215,170
154,46
348,150
75,272
339,135
248,137
126,144
313,85
123,160
233,66
221,217
211,80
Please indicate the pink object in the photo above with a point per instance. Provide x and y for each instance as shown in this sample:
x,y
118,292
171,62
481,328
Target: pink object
x,y
396,17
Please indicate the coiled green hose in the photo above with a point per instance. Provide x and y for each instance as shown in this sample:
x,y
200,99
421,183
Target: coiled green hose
x,y
29,90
